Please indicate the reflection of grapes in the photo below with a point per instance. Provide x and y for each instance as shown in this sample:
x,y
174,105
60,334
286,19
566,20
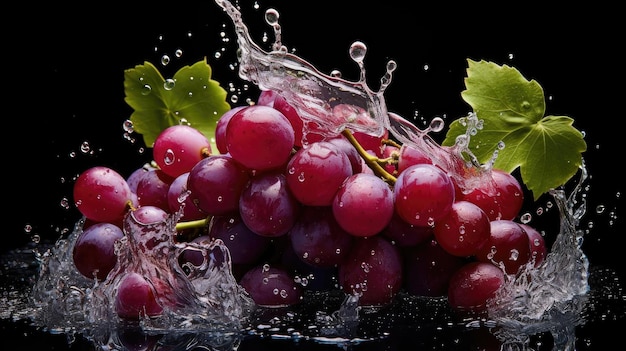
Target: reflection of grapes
x,y
353,212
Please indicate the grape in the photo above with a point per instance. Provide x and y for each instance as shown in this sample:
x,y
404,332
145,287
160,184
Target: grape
x,y
221,127
271,286
356,161
94,250
178,196
508,244
267,206
149,214
372,269
136,298
428,269
423,194
363,206
135,176
317,239
501,199
538,249
409,155
260,138
463,230
152,189
315,173
404,234
216,183
245,246
102,194
178,148
472,285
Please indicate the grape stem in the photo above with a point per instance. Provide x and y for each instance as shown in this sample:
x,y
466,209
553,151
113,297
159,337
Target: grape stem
x,y
192,224
372,162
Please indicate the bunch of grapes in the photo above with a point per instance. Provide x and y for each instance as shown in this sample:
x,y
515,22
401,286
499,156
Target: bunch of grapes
x,y
300,211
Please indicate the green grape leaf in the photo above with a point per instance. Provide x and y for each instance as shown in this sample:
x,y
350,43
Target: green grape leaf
x,y
547,149
190,97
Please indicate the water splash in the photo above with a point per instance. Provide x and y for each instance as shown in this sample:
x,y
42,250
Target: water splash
x,y
535,299
200,298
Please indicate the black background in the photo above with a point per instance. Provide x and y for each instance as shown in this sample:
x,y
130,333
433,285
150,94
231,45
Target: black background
x,y
64,82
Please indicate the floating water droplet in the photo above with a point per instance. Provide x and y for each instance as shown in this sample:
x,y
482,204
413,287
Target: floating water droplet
x,y
165,60
358,51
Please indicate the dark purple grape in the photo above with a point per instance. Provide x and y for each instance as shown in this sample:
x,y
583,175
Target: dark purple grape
x,y
373,269
216,184
267,206
94,250
404,234
428,269
245,246
152,189
271,286
317,238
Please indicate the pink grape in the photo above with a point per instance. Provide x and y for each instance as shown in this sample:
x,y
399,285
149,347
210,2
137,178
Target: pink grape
x,y
428,269
473,285
216,183
94,250
363,206
260,138
102,194
178,148
317,239
423,194
463,230
501,199
136,298
508,244
315,173
373,268
267,206
271,286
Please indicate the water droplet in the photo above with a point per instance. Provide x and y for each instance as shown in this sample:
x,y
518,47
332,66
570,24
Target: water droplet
x,y
165,60
178,52
169,84
169,157
358,51
146,89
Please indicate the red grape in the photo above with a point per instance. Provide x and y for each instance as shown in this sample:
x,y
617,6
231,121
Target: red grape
x,y
102,194
538,249
409,155
501,199
463,230
315,173
152,189
363,206
178,196
472,285
178,148
260,138
136,298
94,251
508,244
404,234
423,194
222,126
